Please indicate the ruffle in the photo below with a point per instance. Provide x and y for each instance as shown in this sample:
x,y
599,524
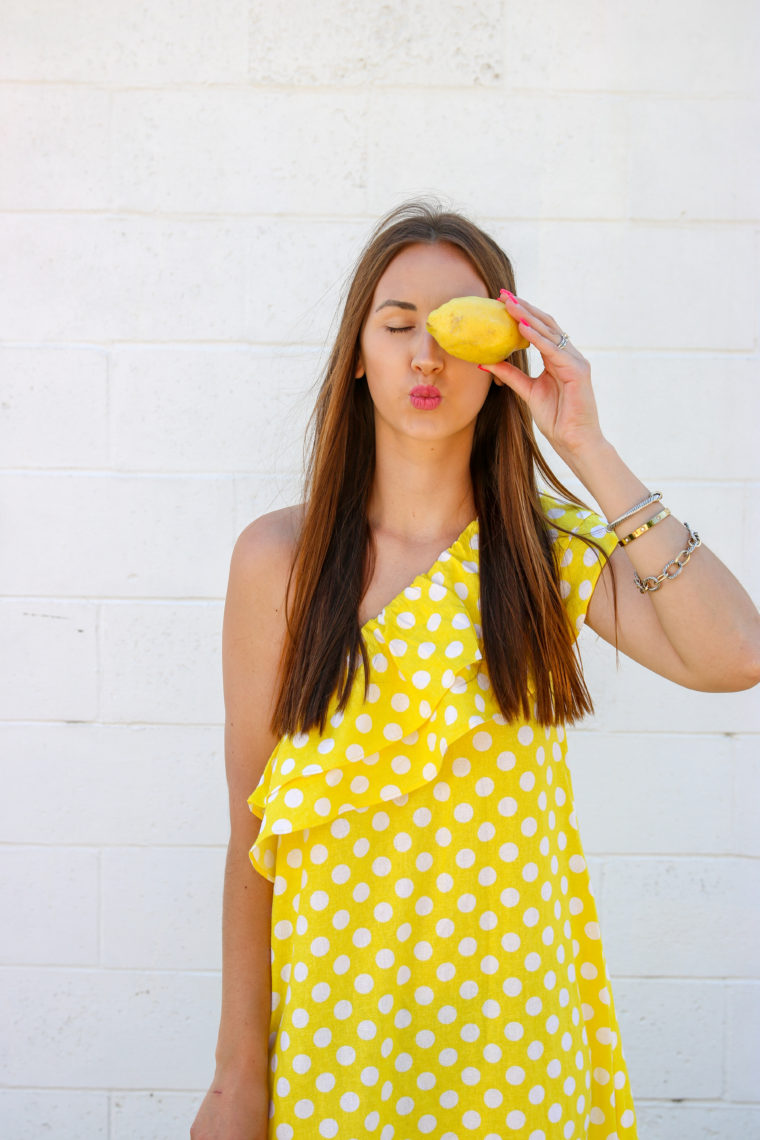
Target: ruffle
x,y
426,691
579,564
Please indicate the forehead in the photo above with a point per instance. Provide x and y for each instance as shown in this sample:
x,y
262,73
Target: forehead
x,y
430,268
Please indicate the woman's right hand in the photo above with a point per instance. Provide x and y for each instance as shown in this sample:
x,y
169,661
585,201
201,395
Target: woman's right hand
x,y
233,1109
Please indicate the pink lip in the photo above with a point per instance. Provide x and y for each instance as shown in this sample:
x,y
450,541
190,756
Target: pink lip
x,y
425,390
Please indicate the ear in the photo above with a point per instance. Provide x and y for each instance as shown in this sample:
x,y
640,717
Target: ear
x,y
359,370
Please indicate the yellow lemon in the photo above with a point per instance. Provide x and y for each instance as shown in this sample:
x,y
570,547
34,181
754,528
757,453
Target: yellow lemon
x,y
477,329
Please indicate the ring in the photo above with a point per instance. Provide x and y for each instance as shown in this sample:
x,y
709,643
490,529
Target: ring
x,y
563,341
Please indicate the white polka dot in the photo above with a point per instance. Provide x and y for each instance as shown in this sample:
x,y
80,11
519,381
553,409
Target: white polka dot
x,y
454,649
420,679
401,765
482,741
510,896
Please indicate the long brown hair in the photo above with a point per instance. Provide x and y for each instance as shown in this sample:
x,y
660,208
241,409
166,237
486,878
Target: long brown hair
x,y
526,631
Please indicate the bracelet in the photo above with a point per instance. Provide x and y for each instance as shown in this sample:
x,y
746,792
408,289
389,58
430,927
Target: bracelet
x,y
646,526
653,582
655,498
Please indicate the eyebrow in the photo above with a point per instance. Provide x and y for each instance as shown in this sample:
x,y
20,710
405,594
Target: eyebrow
x,y
396,305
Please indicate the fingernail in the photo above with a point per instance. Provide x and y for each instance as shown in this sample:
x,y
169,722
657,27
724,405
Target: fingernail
x,y
506,292
527,325
483,368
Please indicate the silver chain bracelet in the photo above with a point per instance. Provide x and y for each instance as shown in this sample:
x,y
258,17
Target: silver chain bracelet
x,y
653,582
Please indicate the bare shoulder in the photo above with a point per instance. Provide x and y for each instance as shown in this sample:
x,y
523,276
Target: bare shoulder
x,y
253,634
254,626
259,571
265,548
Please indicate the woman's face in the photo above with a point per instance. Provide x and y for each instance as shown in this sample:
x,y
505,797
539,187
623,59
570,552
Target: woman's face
x,y
404,365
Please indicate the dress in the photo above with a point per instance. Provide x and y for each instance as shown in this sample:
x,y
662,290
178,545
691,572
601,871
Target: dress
x,y
437,967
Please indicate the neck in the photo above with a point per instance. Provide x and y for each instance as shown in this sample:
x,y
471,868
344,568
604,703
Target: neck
x,y
422,490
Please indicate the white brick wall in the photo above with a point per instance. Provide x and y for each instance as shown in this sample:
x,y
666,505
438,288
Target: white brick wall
x,y
183,189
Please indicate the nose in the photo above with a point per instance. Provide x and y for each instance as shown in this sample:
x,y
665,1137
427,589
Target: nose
x,y
428,354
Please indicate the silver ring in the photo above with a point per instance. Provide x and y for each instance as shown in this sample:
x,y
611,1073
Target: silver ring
x,y
563,341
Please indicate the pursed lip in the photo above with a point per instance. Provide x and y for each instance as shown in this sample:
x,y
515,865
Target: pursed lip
x,y
425,390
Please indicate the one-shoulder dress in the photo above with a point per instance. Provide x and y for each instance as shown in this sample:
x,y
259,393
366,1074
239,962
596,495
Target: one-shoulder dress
x,y
437,964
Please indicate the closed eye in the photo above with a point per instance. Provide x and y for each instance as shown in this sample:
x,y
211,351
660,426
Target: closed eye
x,y
400,328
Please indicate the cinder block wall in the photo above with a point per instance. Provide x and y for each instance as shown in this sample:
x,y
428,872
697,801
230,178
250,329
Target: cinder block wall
x,y
183,188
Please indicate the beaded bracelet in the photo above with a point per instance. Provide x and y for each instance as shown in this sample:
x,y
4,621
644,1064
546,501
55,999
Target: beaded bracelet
x,y
644,528
653,582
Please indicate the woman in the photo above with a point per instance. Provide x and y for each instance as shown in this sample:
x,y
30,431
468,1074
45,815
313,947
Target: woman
x,y
399,663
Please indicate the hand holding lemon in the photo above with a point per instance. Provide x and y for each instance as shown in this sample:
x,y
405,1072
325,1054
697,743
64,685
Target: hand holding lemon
x,y
560,399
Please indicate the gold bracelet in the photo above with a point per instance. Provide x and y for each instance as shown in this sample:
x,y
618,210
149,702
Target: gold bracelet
x,y
643,529
654,581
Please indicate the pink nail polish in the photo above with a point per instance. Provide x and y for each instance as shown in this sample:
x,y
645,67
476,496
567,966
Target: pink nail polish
x,y
483,368
522,322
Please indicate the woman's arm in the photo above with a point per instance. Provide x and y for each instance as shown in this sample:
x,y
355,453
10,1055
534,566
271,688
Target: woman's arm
x,y
701,630
236,1106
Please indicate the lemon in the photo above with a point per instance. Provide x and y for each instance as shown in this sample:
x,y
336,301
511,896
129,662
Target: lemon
x,y
476,328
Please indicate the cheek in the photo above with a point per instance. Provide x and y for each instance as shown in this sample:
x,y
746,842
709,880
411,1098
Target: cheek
x,y
473,389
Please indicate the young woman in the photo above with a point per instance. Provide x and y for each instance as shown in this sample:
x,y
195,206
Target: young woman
x,y
415,950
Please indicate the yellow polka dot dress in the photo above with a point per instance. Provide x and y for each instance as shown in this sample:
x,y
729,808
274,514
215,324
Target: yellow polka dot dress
x,y
437,968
